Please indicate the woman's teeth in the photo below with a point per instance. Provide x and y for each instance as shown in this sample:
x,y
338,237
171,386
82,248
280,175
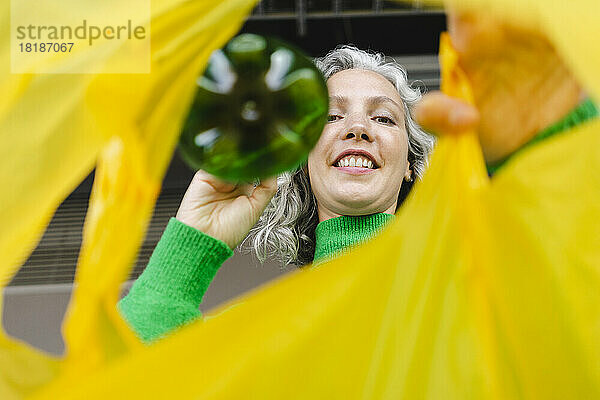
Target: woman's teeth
x,y
353,161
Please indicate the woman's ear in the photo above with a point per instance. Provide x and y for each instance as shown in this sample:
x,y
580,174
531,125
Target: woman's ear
x,y
408,175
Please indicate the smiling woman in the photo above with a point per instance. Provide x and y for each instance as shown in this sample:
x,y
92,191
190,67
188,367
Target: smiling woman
x,y
358,174
334,202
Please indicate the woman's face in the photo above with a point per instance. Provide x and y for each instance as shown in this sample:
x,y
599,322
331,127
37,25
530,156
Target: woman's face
x,y
361,159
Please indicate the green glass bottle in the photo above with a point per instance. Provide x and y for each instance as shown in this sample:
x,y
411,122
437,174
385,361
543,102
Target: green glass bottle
x,y
259,109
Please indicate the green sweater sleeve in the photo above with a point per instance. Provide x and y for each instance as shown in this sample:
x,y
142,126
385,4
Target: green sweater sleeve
x,y
169,291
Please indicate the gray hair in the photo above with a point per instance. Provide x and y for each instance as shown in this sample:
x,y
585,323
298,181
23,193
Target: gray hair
x,y
286,229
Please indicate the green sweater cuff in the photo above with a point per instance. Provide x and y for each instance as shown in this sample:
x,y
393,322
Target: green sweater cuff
x,y
168,293
184,263
337,235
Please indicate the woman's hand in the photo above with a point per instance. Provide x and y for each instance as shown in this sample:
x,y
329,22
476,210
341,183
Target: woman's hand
x,y
519,83
222,210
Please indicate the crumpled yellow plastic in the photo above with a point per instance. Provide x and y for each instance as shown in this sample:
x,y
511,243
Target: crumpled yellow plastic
x,y
54,128
479,289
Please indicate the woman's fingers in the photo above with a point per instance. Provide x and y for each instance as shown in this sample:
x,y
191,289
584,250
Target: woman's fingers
x,y
217,184
269,184
441,114
264,192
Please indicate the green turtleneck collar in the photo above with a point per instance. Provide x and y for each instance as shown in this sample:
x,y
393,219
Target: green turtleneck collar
x,y
335,235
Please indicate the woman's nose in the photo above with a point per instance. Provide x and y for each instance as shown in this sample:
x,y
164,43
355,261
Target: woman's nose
x,y
357,135
357,130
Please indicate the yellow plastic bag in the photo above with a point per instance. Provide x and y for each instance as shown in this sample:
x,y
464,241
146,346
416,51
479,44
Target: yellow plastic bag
x,y
54,128
479,289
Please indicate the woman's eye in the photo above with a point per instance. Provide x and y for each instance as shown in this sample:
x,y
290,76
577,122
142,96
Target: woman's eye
x,y
332,118
384,120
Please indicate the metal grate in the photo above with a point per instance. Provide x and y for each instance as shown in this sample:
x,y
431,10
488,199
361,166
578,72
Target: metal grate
x,y
301,10
423,70
55,258
315,7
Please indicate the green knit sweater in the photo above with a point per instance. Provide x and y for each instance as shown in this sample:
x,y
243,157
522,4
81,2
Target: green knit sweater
x,y
169,291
